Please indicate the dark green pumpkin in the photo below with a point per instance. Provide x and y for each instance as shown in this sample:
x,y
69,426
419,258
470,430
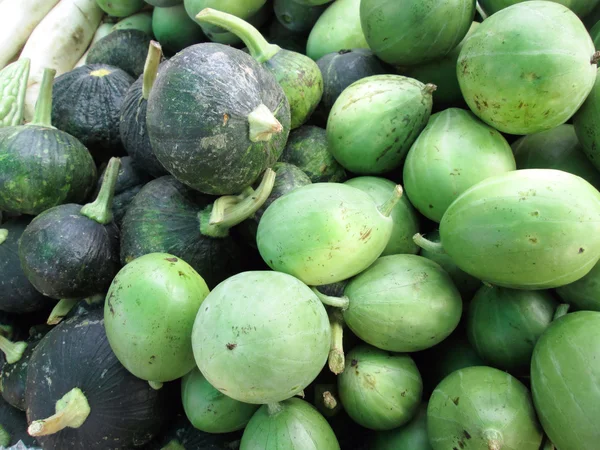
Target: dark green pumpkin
x,y
86,103
296,16
583,294
235,125
125,49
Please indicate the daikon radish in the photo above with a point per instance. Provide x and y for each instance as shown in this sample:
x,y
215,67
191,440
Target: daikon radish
x,y
102,31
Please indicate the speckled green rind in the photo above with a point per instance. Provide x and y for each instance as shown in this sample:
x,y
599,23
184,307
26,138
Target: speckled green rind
x,y
380,390
42,167
125,49
261,337
411,436
527,68
527,229
442,73
476,402
557,148
174,29
337,28
13,84
210,410
585,122
66,255
503,325
323,233
296,16
406,219
409,33
141,21
120,8
298,426
149,314
465,283
375,120
583,294
454,152
216,156
579,7
163,217
564,373
307,149
403,303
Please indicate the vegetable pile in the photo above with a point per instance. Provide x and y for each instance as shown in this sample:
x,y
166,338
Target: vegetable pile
x,y
299,224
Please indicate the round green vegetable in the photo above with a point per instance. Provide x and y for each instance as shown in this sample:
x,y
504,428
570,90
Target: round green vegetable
x,y
120,8
375,120
585,122
379,390
411,436
579,7
564,373
174,29
141,21
504,325
583,294
420,39
482,408
527,68
325,232
261,337
210,410
296,16
149,314
126,49
454,152
164,3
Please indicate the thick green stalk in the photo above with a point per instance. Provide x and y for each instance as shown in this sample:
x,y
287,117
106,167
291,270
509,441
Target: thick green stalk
x,y
43,107
337,360
156,385
151,68
426,244
3,235
101,209
13,351
61,309
388,206
72,410
337,302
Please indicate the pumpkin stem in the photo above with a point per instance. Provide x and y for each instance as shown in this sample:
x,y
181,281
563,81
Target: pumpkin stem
x,y
274,408
173,445
101,209
12,350
336,302
4,437
426,244
429,89
494,439
61,309
3,235
151,68
156,385
329,400
230,210
43,107
257,45
388,206
263,124
72,410
336,360
561,310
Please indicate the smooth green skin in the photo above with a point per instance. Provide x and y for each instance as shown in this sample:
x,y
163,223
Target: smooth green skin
x,y
442,73
140,21
149,314
564,373
454,152
298,426
476,405
527,68
296,16
312,2
585,122
595,34
403,303
583,294
379,390
164,3
557,148
503,325
411,436
120,8
375,120
336,29
174,29
420,39
261,337
465,283
579,7
209,410
13,86
527,229
406,219
323,233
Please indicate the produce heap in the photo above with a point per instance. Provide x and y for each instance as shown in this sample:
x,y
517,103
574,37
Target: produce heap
x,y
299,224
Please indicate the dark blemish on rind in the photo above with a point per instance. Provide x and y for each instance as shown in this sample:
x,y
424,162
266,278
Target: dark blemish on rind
x,y
461,444
364,236
231,346
455,400
467,435
533,240
354,363
174,260
581,250
152,358
431,206
181,274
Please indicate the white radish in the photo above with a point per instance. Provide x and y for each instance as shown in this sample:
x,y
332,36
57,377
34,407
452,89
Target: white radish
x,y
103,30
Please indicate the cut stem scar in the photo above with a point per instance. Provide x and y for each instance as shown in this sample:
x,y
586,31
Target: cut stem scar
x,y
263,124
13,351
71,412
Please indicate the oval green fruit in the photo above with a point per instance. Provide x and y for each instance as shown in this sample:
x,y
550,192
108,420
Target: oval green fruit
x,y
149,314
526,229
379,390
583,294
375,120
120,8
174,29
527,68
411,436
482,408
454,152
579,7
585,122
261,337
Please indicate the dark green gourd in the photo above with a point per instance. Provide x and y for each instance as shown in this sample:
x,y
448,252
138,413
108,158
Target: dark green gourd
x,y
298,75
296,16
219,140
168,217
125,49
13,427
41,166
86,103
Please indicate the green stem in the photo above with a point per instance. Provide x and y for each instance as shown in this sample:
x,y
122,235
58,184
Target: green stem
x,y
101,209
43,107
337,302
481,11
257,45
494,439
156,385
151,68
4,437
426,244
95,299
230,210
388,206
12,350
173,445
61,309
329,400
3,235
72,410
337,360
263,124
274,408
429,89
561,310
